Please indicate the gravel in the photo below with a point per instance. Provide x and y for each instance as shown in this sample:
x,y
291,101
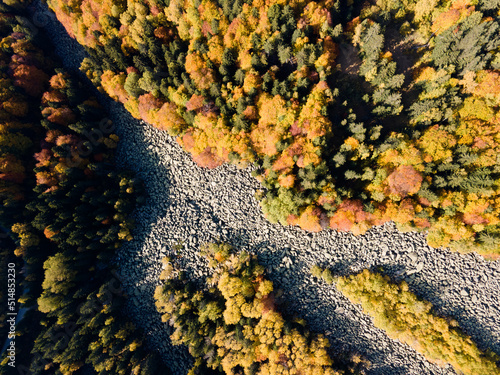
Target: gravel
x,y
188,206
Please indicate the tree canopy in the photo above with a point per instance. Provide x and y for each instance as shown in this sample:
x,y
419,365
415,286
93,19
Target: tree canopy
x,y
354,114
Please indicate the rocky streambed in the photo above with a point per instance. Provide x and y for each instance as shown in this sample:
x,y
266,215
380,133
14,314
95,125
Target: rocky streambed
x,y
188,206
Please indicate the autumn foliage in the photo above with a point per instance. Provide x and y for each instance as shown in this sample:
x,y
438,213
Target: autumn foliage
x,y
66,207
394,107
405,317
233,321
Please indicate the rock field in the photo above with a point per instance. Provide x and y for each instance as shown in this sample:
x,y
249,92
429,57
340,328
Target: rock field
x,y
188,206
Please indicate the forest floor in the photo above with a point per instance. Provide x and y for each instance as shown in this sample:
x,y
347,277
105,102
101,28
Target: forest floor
x,y
188,206
402,54
348,59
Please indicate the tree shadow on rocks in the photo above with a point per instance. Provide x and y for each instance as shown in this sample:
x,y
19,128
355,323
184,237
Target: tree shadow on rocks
x,y
483,330
132,134
396,271
327,311
270,255
238,238
343,267
464,287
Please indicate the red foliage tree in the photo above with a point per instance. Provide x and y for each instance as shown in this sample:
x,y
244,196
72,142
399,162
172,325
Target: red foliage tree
x,y
61,116
404,180
43,157
148,103
208,159
30,78
195,103
11,169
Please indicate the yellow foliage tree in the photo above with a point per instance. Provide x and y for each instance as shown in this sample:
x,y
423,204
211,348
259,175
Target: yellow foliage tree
x,y
236,322
408,318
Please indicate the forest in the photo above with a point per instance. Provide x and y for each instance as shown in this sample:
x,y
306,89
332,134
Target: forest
x,y
353,113
65,209
237,312
438,338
